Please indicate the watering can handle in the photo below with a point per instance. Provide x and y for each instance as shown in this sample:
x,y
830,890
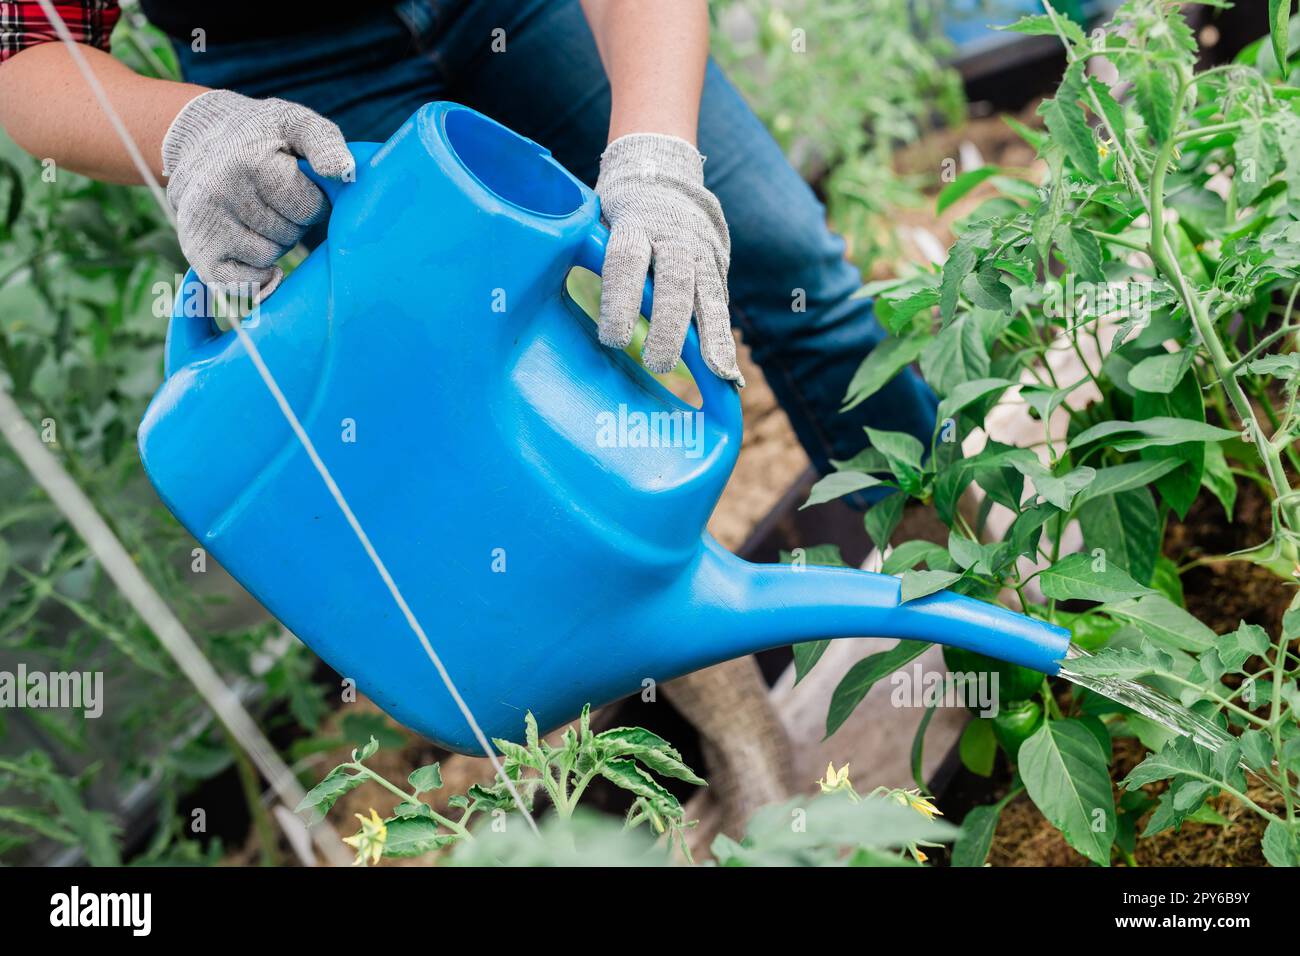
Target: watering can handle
x,y
720,398
191,329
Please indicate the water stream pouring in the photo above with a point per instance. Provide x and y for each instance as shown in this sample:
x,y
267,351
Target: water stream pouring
x,y
464,405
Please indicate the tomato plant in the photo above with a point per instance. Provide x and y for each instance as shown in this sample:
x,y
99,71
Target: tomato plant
x,y
1158,247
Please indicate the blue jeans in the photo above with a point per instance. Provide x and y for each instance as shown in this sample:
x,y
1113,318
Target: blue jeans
x,y
549,85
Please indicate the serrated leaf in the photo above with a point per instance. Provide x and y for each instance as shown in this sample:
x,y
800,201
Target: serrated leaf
x,y
1081,251
628,776
1279,28
1040,25
426,778
1126,663
960,264
1068,125
1076,576
1281,845
319,800
414,836
1155,101
863,675
1064,770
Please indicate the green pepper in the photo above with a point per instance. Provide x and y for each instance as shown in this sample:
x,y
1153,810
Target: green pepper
x,y
1016,723
1014,682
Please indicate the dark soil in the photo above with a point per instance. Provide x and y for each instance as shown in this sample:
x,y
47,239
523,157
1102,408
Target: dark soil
x,y
1225,593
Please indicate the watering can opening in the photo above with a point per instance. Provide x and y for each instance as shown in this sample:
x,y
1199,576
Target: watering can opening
x,y
513,168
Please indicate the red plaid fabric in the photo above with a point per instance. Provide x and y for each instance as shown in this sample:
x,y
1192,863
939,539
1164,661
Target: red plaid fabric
x,y
23,24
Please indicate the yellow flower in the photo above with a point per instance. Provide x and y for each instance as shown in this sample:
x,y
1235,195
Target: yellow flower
x,y
1103,149
920,856
920,804
369,840
836,780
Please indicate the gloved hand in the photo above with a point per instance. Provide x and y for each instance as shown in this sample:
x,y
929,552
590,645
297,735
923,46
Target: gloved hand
x,y
652,195
240,200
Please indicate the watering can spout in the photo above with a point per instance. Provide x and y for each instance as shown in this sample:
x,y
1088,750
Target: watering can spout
x,y
759,606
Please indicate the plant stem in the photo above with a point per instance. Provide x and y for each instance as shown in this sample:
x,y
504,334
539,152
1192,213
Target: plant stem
x,y
451,825
1168,264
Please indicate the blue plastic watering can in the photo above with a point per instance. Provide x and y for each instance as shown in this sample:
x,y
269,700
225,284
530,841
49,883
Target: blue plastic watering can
x,y
539,499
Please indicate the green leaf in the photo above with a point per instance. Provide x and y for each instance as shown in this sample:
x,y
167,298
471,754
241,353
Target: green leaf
x,y
955,355
1184,402
516,752
919,584
1059,490
426,778
967,393
630,777
863,675
806,656
1279,27
322,797
1157,431
1064,769
650,749
911,553
1155,101
1068,125
1126,663
1120,478
1280,844
413,836
880,366
1160,373
960,264
1077,577
1040,25
899,448
1081,251
1165,623
962,185
838,484
1126,527
368,751
896,314
976,837
882,518
978,748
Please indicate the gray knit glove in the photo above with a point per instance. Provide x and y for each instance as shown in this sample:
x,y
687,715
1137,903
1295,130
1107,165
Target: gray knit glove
x,y
240,200
652,195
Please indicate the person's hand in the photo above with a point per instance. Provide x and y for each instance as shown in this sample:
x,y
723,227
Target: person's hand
x,y
652,195
240,199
